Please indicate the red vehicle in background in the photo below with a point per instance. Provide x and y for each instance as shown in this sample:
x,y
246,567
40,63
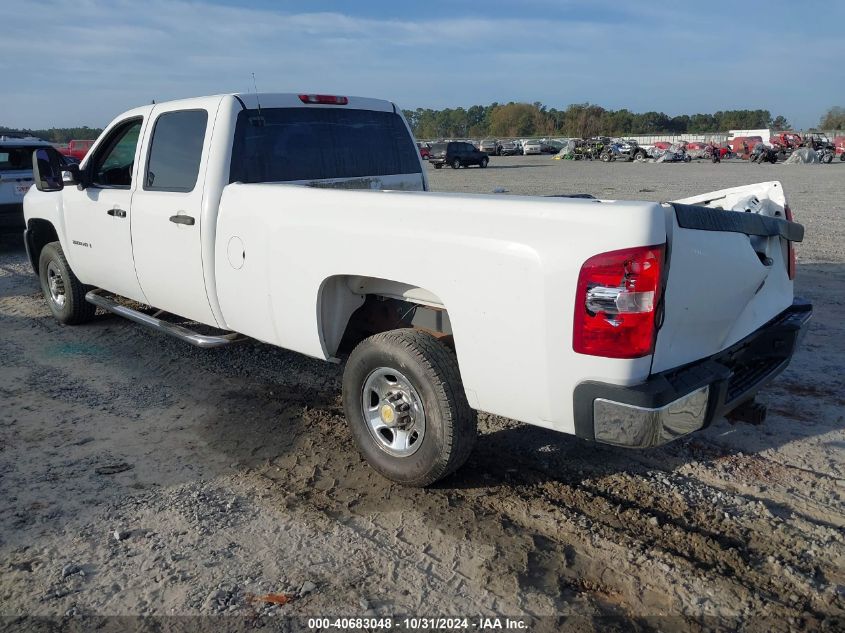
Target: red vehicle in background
x,y
742,145
425,151
786,140
77,148
661,144
839,146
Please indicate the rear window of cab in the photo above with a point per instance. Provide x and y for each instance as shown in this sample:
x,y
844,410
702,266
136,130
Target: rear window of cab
x,y
308,143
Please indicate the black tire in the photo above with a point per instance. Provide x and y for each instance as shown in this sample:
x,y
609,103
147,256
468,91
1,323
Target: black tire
x,y
456,164
640,156
605,156
438,165
827,158
73,309
432,369
842,156
484,162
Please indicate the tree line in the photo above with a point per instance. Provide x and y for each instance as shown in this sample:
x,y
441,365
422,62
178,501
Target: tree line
x,y
577,120
535,119
55,134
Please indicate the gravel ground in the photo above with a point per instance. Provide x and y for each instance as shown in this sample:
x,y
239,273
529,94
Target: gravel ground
x,y
145,477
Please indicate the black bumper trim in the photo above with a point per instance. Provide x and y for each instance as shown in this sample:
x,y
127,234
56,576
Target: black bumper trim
x,y
734,375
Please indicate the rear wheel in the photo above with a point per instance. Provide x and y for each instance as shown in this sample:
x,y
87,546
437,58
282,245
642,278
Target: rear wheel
x,y
64,293
406,407
456,164
827,158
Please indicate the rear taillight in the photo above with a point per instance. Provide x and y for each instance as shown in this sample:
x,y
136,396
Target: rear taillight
x,y
790,262
615,303
324,99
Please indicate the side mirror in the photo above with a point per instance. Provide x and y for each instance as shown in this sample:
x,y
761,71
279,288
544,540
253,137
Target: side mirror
x,y
47,169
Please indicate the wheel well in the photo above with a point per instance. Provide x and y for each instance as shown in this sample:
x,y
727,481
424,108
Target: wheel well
x,y
352,308
39,233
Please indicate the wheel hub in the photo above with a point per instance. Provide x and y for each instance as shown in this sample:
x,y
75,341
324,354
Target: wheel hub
x,y
393,411
56,284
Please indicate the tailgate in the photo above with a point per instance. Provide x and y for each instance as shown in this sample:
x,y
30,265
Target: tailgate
x,y
728,270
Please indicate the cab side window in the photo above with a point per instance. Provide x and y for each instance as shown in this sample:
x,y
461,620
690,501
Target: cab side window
x,y
112,166
176,151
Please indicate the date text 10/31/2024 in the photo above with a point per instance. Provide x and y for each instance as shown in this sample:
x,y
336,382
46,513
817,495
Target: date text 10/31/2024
x,y
420,624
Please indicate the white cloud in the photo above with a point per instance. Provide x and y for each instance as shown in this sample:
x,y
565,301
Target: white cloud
x,y
87,60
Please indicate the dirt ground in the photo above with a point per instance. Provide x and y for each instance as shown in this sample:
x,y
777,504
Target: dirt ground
x,y
141,476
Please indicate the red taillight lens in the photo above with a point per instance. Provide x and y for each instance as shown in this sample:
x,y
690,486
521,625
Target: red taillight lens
x,y
616,301
324,99
790,262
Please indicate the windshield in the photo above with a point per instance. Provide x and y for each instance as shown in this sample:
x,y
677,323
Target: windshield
x,y
292,144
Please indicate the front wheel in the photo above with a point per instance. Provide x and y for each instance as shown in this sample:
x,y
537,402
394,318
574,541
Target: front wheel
x,y
406,407
827,158
456,164
64,293
483,162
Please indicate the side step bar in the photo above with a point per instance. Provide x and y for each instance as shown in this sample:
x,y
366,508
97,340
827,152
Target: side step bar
x,y
183,333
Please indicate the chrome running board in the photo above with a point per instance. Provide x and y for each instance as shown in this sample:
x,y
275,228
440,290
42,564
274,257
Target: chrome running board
x,y
183,333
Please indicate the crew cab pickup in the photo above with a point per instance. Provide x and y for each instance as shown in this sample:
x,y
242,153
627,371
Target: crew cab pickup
x,y
304,221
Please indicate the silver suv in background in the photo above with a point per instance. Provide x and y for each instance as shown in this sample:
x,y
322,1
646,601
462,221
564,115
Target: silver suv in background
x,y
489,146
15,177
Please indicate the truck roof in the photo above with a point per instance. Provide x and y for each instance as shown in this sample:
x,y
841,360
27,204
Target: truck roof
x,y
288,100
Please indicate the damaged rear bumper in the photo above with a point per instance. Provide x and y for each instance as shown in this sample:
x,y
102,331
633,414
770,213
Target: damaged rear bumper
x,y
677,402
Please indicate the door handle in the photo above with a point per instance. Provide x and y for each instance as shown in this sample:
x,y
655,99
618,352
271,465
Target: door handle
x,y
182,219
117,213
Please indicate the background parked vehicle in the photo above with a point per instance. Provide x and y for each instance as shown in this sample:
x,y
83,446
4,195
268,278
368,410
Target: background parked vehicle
x,y
839,146
762,154
820,142
15,177
509,148
532,147
425,150
550,146
489,146
675,153
785,142
631,150
77,148
742,145
457,154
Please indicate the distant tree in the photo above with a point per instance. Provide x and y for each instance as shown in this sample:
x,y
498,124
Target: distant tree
x,y
517,119
780,123
833,119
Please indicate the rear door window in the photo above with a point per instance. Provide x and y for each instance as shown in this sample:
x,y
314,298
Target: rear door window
x,y
313,143
176,151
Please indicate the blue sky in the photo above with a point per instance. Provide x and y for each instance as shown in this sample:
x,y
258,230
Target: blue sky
x,y
81,62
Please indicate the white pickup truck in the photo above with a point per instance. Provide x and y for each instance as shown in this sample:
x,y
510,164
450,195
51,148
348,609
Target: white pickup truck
x,y
303,221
